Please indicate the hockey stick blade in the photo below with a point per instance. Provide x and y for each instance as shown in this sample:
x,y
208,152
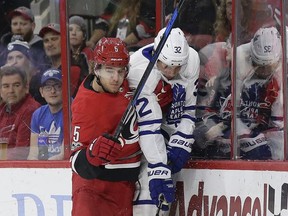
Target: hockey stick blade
x,y
148,70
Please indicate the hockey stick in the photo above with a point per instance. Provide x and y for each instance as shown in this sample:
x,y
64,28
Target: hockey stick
x,y
148,70
162,202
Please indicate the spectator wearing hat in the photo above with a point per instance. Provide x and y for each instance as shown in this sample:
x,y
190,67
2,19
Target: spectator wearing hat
x,y
6,7
18,55
22,28
80,54
48,119
52,46
15,112
52,43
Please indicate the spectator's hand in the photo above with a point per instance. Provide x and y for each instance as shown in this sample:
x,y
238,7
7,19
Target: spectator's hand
x,y
179,152
160,185
103,150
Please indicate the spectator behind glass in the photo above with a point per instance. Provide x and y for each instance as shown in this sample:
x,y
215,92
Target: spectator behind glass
x,y
52,46
133,20
102,23
223,26
48,119
196,20
16,112
6,7
18,55
81,54
22,27
262,14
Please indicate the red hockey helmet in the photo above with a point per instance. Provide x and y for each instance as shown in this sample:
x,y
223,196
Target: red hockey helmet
x,y
112,52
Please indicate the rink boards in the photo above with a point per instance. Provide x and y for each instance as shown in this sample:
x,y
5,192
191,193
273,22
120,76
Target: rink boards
x,y
205,188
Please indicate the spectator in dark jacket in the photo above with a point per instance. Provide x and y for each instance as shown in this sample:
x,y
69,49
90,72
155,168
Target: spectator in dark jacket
x,y
22,28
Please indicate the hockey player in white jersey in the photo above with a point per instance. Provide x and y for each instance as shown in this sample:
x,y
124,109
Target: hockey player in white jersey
x,y
259,96
166,110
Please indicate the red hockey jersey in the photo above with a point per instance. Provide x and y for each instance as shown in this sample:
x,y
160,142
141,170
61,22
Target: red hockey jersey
x,y
96,113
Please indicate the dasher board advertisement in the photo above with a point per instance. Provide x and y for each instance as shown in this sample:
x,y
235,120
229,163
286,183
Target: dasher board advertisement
x,y
47,192
35,191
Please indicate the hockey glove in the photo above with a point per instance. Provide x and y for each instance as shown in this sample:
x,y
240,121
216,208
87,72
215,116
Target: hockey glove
x,y
103,150
163,93
179,151
160,185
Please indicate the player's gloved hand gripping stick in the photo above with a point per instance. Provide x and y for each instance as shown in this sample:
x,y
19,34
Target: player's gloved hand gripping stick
x,y
103,150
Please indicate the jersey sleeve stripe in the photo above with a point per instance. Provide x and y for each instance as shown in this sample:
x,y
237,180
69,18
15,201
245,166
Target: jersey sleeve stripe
x,y
150,122
143,133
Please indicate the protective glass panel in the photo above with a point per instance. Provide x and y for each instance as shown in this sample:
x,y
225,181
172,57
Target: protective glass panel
x,y
259,83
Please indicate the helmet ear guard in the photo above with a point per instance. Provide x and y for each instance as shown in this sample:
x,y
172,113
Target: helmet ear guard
x,y
175,52
266,48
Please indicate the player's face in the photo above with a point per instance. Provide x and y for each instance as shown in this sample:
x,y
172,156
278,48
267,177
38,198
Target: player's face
x,y
52,92
112,77
168,71
52,44
12,89
264,72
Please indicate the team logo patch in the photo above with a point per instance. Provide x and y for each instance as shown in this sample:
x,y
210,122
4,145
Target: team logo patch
x,y
177,107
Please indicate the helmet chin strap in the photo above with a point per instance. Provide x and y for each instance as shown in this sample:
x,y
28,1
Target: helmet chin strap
x,y
100,84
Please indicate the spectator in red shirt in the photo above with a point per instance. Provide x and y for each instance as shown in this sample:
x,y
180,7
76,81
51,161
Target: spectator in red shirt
x,y
15,112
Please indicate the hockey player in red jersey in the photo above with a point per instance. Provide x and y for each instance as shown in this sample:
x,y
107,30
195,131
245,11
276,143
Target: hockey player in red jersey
x,y
104,169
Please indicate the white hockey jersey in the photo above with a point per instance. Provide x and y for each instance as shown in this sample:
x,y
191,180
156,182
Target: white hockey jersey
x,y
180,117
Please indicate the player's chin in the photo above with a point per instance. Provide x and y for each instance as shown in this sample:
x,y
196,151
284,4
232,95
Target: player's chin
x,y
114,88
